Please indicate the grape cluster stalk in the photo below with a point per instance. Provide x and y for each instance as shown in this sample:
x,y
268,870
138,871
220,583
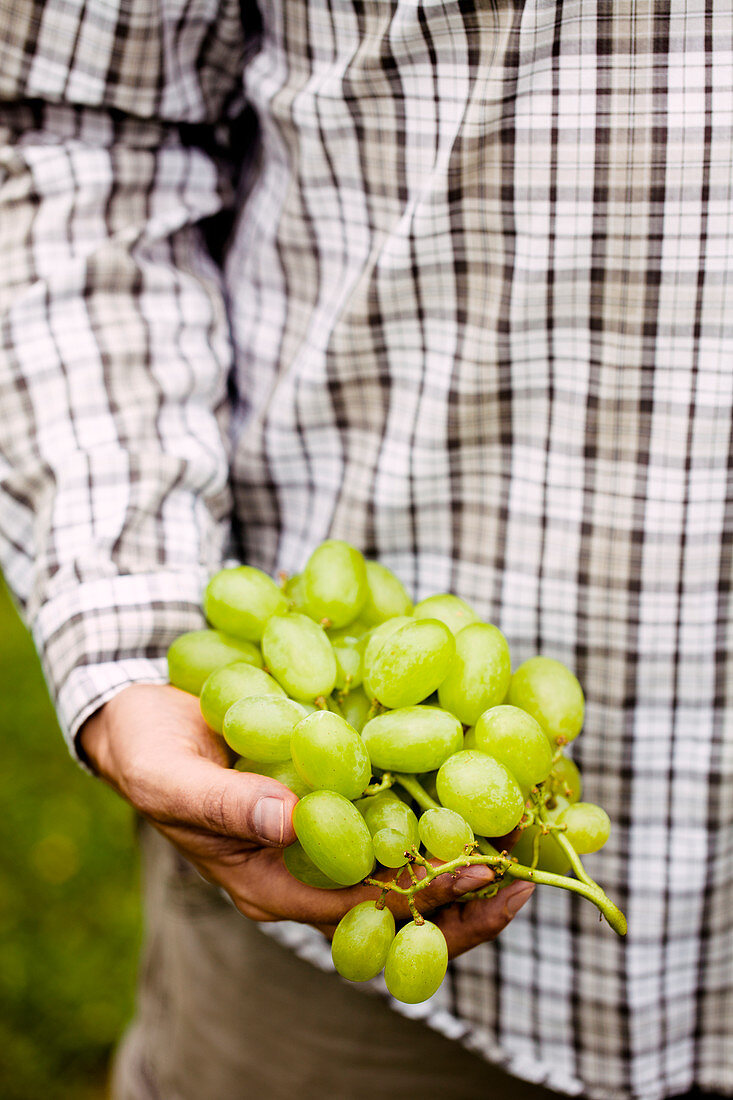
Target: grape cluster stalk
x,y
410,743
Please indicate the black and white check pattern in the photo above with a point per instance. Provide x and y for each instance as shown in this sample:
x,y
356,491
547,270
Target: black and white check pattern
x,y
476,316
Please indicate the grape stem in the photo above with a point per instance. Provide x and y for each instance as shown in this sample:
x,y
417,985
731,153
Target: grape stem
x,y
333,705
568,849
574,858
415,788
558,752
416,914
384,784
503,864
375,709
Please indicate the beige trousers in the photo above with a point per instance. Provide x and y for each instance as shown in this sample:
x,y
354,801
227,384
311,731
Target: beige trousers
x,y
224,1013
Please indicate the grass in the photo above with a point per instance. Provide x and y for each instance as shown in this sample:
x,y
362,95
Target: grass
x,y
69,919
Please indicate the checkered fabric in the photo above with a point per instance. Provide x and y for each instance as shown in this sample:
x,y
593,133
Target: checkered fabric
x,y
475,314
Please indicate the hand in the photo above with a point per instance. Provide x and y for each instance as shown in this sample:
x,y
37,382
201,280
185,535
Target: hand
x,y
151,744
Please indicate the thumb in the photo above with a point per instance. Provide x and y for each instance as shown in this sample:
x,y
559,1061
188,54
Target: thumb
x,y
205,795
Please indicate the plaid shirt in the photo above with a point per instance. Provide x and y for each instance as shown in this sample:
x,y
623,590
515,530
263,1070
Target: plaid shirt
x,y
475,314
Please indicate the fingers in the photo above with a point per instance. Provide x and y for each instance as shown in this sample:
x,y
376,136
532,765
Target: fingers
x,y
259,878
327,930
507,842
264,890
330,906
467,924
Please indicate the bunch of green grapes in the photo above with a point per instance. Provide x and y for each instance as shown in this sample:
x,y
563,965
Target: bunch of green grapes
x,y
405,736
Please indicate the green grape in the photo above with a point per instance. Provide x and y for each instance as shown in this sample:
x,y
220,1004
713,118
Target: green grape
x,y
260,727
372,801
387,810
375,640
355,707
411,663
355,634
282,770
479,674
588,826
224,686
469,738
299,655
241,600
330,755
348,667
549,691
348,646
335,836
361,941
482,791
335,583
390,847
566,778
394,822
450,610
295,594
302,867
195,655
386,595
412,739
416,962
513,737
444,833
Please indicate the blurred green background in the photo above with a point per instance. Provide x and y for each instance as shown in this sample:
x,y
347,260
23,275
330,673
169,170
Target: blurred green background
x,y
69,909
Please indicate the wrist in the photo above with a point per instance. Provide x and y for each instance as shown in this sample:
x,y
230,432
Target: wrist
x,y
93,737
91,741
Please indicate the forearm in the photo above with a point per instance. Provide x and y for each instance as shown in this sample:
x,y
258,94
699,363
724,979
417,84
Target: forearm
x,y
114,354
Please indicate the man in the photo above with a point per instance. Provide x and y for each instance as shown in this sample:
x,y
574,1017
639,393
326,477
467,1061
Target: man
x,y
472,316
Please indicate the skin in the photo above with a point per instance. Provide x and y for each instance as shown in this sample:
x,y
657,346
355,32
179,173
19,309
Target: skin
x,y
152,746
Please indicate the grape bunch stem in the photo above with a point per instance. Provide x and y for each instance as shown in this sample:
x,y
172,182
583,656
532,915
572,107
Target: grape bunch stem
x,y
503,863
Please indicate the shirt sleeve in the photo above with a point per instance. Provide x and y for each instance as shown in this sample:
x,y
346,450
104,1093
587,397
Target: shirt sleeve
x,y
114,346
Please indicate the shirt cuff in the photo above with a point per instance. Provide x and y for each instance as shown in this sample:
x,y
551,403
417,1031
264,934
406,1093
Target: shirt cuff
x,y
102,635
